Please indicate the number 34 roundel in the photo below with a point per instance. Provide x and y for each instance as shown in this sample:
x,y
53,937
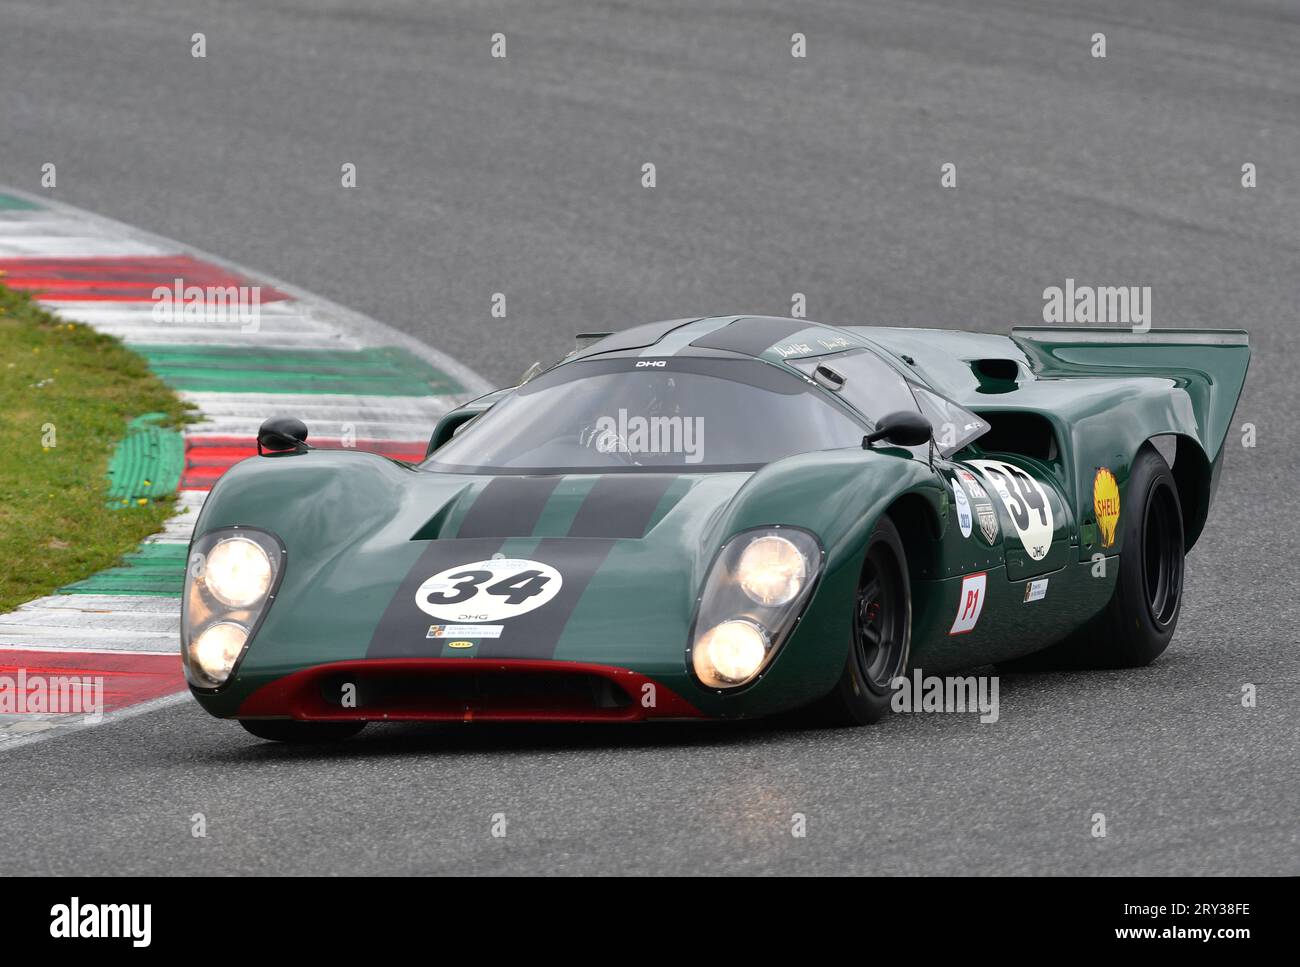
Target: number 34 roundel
x,y
1026,502
492,590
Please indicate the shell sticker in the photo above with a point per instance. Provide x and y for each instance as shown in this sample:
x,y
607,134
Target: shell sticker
x,y
1105,501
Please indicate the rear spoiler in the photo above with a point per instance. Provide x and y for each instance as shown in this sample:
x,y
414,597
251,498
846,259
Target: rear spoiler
x,y
1210,364
1124,336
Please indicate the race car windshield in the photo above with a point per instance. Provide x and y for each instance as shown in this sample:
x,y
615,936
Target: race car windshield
x,y
631,413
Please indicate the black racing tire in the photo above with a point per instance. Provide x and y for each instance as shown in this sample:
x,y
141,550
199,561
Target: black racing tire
x,y
882,635
1139,621
288,730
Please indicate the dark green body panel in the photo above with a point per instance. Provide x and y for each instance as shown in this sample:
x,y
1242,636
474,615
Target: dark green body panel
x,y
346,555
1105,391
355,525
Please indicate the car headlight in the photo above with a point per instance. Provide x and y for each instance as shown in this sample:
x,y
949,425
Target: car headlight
x,y
753,597
730,653
217,649
771,570
238,572
229,583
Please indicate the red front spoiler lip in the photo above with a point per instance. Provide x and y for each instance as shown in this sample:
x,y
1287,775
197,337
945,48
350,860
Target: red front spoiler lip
x,y
298,695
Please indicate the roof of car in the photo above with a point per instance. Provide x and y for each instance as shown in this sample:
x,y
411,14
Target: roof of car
x,y
773,338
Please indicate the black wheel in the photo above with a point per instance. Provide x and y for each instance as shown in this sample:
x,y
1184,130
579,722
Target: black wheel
x,y
1139,621
287,730
882,634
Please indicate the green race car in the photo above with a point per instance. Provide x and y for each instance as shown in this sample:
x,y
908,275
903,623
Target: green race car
x,y
719,518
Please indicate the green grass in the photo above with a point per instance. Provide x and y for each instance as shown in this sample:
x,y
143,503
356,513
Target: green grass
x,y
55,525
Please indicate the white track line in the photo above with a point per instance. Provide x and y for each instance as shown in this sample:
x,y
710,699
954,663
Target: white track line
x,y
122,644
16,730
279,325
368,417
68,247
103,622
100,603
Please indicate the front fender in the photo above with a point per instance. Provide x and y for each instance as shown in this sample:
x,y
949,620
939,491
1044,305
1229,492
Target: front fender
x,y
840,496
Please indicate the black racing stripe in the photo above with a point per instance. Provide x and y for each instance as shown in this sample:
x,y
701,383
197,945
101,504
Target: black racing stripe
x,y
535,634
752,335
401,631
508,507
620,505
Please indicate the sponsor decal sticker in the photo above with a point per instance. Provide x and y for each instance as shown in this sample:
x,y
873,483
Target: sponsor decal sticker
x,y
460,644
964,519
970,604
972,484
988,517
1026,502
793,349
1105,501
1036,590
464,631
486,591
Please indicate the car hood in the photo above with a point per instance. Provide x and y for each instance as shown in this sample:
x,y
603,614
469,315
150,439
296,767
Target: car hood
x,y
622,556
626,554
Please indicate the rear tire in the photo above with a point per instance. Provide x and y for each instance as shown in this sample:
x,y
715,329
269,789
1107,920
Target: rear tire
x,y
882,634
287,730
1139,621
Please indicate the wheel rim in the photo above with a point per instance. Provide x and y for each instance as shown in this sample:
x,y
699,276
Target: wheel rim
x,y
1162,555
880,619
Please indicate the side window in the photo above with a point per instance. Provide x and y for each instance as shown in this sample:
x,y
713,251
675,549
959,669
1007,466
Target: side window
x,y
954,426
865,381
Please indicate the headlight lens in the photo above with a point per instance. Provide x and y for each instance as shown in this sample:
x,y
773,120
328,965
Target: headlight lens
x,y
730,653
230,582
771,570
238,572
753,595
217,649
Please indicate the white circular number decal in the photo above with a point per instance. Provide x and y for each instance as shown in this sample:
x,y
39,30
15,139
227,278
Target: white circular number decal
x,y
488,590
1026,502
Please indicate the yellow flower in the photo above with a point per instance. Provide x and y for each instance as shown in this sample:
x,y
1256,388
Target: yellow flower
x,y
142,501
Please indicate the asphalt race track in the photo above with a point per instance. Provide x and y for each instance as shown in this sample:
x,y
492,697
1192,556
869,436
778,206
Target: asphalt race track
x,y
775,175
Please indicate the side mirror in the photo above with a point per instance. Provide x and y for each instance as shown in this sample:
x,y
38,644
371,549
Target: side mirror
x,y
282,433
906,428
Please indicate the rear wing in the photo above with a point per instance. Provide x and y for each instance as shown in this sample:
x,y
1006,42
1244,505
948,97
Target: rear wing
x,y
1209,364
